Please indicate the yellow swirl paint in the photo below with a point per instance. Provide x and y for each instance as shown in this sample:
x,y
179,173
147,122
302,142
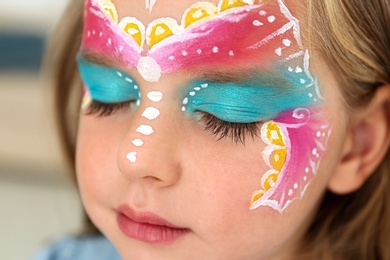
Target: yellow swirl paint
x,y
197,12
229,4
276,151
109,9
134,28
160,29
163,28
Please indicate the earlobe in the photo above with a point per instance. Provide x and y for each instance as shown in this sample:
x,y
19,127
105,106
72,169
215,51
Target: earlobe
x,y
366,144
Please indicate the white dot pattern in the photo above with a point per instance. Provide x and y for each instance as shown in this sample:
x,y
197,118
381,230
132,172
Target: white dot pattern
x,y
151,114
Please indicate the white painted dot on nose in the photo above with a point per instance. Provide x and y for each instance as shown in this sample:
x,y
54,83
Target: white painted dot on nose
x,y
215,49
145,130
132,157
199,51
138,142
121,48
171,58
100,34
231,53
155,96
185,101
109,41
151,113
184,53
296,186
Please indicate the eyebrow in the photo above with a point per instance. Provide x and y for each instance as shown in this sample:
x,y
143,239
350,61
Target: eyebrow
x,y
233,75
236,75
222,76
215,76
99,59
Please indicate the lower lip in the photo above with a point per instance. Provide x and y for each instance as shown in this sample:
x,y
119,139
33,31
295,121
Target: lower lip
x,y
150,233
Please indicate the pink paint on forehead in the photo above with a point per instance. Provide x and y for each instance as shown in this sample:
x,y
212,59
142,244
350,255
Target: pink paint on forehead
x,y
101,35
263,33
228,38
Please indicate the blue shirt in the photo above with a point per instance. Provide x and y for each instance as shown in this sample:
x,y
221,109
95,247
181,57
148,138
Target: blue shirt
x,y
79,248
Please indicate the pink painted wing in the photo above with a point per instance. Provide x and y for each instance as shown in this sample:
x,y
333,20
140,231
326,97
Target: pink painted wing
x,y
307,139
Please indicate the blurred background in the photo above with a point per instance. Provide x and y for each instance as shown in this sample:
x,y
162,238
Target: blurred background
x,y
37,200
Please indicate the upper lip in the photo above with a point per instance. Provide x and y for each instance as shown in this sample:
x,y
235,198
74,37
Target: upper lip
x,y
145,217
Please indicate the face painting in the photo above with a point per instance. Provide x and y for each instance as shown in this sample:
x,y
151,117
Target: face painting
x,y
280,93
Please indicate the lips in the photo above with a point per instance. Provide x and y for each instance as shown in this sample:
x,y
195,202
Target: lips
x,y
147,227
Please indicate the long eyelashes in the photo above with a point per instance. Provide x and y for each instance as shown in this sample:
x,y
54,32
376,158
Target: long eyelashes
x,y
104,110
237,132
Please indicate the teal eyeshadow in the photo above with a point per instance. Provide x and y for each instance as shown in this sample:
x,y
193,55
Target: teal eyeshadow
x,y
248,101
106,84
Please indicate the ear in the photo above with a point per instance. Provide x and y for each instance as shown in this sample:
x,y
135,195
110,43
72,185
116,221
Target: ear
x,y
367,141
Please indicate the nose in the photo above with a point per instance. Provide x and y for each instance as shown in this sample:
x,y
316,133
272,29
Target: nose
x,y
149,151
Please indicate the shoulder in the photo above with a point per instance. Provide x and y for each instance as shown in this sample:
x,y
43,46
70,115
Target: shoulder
x,y
79,248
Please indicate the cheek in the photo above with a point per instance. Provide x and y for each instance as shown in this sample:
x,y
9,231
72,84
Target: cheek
x,y
220,197
222,175
95,159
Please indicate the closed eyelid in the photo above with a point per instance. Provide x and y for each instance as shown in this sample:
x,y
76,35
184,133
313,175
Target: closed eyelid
x,y
254,100
106,84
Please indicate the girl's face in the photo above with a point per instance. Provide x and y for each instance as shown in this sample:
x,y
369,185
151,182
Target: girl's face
x,y
206,134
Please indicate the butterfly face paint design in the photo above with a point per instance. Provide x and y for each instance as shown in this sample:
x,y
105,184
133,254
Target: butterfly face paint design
x,y
243,32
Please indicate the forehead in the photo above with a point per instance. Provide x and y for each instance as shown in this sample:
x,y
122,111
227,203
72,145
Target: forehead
x,y
223,33
148,10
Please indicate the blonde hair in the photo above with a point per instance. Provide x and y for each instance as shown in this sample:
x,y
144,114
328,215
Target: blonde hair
x,y
353,37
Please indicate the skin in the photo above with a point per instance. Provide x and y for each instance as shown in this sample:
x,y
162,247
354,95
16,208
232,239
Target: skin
x,y
188,177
